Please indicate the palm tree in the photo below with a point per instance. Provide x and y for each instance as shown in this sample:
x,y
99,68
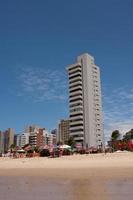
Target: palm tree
x,y
115,135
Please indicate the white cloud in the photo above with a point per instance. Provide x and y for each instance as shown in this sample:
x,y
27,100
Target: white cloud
x,y
118,110
41,84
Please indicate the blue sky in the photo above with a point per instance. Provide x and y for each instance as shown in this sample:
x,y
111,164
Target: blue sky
x,y
38,39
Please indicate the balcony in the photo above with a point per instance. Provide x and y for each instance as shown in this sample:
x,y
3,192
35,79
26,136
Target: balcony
x,y
73,67
78,138
76,108
77,87
75,93
75,74
76,117
76,102
76,127
76,122
75,80
76,112
75,83
77,133
76,98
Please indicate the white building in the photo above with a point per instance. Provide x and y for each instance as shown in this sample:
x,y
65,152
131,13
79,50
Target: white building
x,y
48,138
24,139
86,122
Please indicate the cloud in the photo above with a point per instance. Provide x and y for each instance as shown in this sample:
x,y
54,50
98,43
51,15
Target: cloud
x,y
118,110
40,84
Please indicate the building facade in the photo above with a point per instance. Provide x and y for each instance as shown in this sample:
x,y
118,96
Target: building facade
x,y
17,140
54,134
85,106
1,142
8,139
24,139
63,131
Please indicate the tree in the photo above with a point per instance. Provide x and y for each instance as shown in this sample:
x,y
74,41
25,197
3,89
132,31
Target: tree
x,y
36,149
71,141
115,139
128,135
12,147
115,135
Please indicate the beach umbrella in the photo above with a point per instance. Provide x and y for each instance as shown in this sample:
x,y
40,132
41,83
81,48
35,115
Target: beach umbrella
x,y
21,151
64,146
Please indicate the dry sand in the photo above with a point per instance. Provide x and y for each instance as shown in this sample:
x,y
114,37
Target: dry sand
x,y
77,177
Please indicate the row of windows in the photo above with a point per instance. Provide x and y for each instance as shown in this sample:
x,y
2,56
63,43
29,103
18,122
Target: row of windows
x,y
79,135
75,90
76,104
76,109
76,125
74,67
76,115
77,99
78,70
76,130
75,120
73,81
79,84
75,95
75,76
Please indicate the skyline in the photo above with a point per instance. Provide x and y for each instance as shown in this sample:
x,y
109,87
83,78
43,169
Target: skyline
x,y
37,43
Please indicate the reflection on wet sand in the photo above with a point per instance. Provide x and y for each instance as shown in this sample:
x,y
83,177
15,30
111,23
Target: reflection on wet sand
x,y
33,188
121,190
113,184
84,189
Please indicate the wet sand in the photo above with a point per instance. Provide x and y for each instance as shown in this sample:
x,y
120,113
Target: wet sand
x,y
91,177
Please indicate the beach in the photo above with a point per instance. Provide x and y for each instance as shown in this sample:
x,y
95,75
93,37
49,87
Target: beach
x,y
76,177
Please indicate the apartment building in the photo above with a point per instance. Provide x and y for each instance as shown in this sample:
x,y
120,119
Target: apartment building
x,y
8,137
85,106
63,131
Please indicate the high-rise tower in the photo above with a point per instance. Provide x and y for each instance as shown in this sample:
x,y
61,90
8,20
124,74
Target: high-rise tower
x,y
86,122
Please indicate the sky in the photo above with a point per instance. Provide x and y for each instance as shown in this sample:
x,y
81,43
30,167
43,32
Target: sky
x,y
40,38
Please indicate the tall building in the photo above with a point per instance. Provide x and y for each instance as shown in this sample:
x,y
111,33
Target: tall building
x,y
17,140
63,131
24,139
85,107
1,142
8,139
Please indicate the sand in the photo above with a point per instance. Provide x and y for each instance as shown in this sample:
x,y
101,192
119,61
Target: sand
x,y
77,177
